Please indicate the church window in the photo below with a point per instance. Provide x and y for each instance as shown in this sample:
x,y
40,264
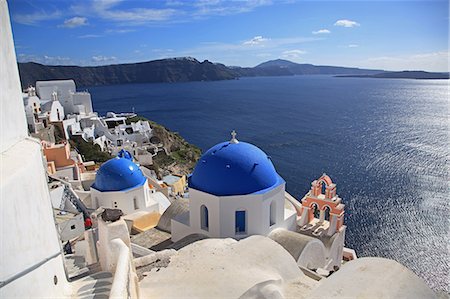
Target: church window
x,y
324,187
327,213
204,218
316,210
273,213
240,222
135,203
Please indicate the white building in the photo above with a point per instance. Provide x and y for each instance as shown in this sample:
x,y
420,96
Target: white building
x,y
32,106
65,90
53,109
120,184
235,192
82,103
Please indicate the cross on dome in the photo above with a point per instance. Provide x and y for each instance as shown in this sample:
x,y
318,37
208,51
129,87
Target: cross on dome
x,y
233,137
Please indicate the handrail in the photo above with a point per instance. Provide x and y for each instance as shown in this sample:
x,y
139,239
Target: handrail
x,y
120,285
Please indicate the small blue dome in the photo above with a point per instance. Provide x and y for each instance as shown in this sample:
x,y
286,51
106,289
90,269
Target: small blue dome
x,y
234,169
125,154
118,174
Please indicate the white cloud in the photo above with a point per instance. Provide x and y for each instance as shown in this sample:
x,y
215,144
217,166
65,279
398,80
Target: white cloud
x,y
223,7
346,23
138,15
353,46
257,40
45,59
322,31
101,58
74,22
111,10
119,31
233,53
432,62
90,36
292,54
36,17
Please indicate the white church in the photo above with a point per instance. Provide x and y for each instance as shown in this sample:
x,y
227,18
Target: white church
x,y
234,192
120,184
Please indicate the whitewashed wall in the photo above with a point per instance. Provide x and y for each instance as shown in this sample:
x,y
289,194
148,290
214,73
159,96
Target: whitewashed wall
x,y
222,209
29,236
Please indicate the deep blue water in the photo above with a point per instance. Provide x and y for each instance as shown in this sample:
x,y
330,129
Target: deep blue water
x,y
384,142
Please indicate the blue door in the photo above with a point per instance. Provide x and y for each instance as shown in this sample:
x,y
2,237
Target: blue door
x,y
240,222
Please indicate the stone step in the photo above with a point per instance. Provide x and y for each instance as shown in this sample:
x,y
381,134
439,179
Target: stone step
x,y
97,285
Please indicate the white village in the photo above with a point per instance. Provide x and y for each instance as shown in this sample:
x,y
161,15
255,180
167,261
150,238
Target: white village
x,y
75,228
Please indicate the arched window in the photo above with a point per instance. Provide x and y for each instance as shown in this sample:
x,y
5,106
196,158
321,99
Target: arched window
x,y
135,203
273,213
327,213
324,187
315,210
240,223
204,218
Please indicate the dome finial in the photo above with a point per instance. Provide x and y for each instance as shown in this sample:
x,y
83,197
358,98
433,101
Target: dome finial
x,y
233,137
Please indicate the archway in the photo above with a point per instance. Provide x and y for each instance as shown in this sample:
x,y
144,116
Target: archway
x,y
315,210
204,218
323,188
273,213
327,213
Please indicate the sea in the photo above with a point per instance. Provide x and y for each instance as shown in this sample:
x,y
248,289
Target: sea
x,y
384,142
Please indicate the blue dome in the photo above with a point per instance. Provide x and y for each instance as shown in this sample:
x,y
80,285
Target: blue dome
x,y
234,169
118,174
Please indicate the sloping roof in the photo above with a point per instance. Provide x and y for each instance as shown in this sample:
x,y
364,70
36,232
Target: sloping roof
x,y
373,277
177,207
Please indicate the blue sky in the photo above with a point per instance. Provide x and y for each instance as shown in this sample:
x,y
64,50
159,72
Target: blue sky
x,y
391,35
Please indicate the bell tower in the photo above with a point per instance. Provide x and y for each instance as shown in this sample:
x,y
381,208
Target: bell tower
x,y
321,206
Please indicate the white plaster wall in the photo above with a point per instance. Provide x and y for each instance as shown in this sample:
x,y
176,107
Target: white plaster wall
x,y
32,103
27,225
70,125
83,98
63,88
125,200
28,232
106,233
312,255
258,212
222,209
196,200
12,115
67,232
56,106
56,196
335,252
181,229
371,277
161,199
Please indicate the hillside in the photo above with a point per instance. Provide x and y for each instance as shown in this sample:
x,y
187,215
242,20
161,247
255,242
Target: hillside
x,y
164,70
189,69
310,69
404,75
178,155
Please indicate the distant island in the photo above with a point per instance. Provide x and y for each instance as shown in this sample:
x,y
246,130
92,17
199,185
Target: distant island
x,y
403,75
186,69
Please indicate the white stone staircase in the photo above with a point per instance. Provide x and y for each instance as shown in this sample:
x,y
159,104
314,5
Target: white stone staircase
x,y
87,281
